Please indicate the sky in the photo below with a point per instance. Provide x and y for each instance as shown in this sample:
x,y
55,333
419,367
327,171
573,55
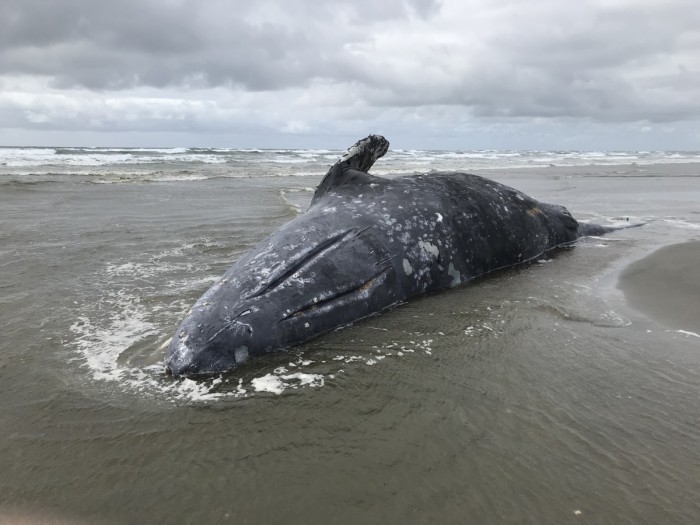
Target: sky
x,y
427,74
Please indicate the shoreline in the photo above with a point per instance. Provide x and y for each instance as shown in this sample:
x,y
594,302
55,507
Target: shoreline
x,y
665,286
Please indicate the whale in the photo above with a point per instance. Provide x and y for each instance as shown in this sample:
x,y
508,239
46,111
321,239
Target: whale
x,y
366,244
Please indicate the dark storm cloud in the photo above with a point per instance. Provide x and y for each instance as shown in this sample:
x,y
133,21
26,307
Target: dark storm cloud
x,y
113,45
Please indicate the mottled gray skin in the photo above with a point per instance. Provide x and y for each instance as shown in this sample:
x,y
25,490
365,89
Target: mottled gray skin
x,y
365,244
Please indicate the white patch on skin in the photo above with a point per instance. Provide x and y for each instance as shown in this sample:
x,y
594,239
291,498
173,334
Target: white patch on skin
x,y
407,268
240,354
454,273
430,248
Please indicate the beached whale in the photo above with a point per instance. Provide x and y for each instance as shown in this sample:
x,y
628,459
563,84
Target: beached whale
x,y
365,244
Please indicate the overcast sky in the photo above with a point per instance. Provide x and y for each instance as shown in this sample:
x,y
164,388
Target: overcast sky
x,y
449,74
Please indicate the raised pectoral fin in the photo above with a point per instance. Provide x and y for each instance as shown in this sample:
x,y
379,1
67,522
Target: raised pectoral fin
x,y
354,164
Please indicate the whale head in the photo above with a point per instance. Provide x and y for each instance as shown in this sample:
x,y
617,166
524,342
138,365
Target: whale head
x,y
317,272
201,350
212,338
298,283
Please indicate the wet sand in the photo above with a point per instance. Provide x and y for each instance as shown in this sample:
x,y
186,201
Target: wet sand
x,y
666,286
527,397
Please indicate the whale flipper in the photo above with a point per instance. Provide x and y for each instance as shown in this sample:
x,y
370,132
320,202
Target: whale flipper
x,y
364,153
353,166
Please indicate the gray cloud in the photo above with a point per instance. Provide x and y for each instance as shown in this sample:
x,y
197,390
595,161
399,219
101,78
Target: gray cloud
x,y
117,45
303,66
565,61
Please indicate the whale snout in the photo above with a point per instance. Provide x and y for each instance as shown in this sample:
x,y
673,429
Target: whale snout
x,y
187,358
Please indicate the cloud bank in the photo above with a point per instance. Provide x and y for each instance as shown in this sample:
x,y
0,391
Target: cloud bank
x,y
603,74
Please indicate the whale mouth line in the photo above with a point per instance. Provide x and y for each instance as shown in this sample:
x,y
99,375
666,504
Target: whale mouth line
x,y
300,260
358,291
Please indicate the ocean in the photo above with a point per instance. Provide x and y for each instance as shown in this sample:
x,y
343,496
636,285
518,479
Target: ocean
x,y
564,391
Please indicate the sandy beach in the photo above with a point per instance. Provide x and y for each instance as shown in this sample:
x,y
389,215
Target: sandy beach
x,y
666,286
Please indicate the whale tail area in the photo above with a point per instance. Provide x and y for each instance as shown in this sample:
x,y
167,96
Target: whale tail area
x,y
592,230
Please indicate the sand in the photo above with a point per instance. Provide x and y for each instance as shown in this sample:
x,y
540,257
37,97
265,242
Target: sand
x,y
666,286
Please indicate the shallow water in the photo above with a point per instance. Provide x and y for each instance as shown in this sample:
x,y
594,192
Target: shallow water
x,y
537,395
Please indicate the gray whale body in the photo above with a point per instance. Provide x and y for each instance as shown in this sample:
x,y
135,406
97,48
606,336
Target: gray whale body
x,y
365,244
